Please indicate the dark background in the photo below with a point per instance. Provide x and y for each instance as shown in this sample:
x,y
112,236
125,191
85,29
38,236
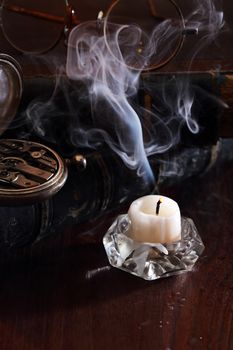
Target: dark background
x,y
61,293
217,55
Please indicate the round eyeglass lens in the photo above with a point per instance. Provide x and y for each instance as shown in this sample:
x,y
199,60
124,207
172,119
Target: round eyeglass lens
x,y
148,35
32,26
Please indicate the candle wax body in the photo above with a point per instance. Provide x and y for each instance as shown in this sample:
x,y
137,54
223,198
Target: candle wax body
x,y
146,226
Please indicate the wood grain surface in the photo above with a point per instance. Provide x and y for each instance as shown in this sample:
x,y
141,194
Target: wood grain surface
x,y
62,293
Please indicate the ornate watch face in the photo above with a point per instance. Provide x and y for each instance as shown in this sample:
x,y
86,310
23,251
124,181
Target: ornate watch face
x,y
29,172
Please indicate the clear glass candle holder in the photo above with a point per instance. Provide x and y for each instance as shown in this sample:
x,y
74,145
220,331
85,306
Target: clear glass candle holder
x,y
152,260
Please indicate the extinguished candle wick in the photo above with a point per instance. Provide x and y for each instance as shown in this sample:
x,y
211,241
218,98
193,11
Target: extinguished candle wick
x,y
147,226
158,206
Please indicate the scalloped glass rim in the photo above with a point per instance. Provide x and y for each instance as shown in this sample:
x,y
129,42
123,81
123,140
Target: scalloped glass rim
x,y
152,261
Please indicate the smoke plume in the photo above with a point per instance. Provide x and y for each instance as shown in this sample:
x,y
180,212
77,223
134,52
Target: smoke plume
x,y
109,58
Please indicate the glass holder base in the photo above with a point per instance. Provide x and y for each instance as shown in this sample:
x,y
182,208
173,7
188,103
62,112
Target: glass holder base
x,y
152,261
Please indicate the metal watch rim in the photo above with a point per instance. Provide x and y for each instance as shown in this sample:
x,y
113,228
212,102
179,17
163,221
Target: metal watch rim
x,y
41,192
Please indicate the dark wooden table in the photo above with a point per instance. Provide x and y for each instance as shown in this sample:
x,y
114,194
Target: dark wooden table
x,y
62,294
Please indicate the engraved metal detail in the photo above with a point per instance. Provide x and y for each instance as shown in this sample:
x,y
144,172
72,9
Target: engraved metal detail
x,y
29,171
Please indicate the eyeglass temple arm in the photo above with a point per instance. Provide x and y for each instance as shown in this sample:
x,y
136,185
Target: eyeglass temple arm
x,y
43,15
154,13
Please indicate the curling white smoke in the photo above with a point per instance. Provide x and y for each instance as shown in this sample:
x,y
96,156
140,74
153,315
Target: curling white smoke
x,y
208,20
103,60
111,84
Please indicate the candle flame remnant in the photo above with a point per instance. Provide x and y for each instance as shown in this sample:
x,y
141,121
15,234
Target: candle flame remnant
x,y
158,205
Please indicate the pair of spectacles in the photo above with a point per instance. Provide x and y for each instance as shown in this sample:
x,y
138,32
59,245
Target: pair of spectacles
x,y
161,38
36,27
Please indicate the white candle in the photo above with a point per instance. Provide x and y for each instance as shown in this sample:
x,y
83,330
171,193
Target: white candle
x,y
147,226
